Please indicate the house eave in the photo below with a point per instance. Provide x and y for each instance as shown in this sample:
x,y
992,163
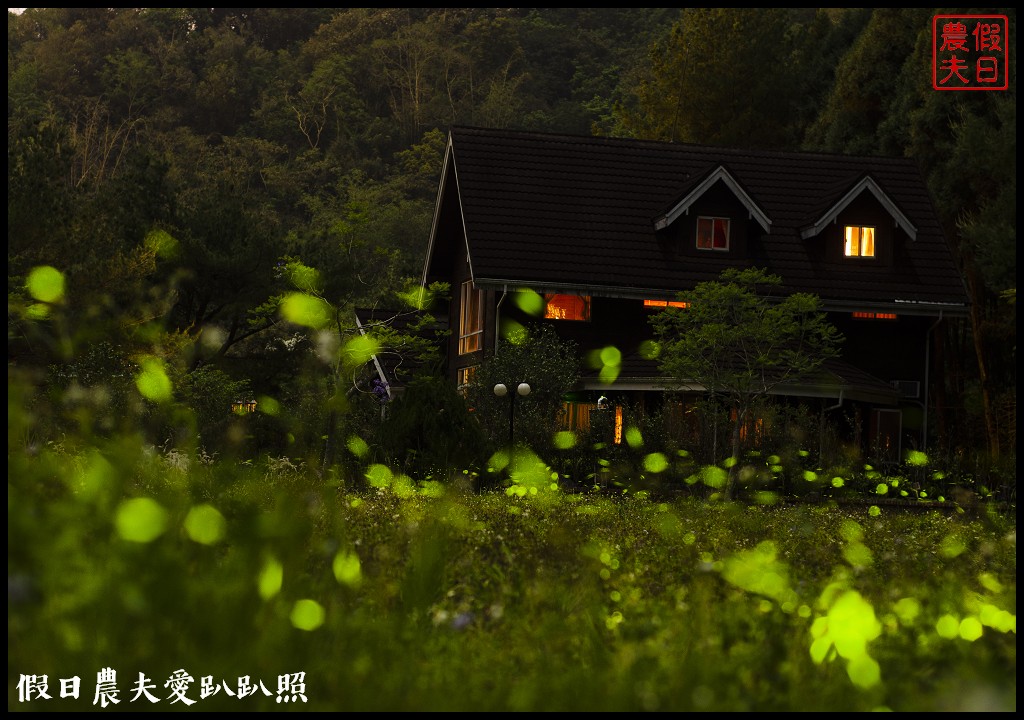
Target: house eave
x,y
901,307
630,293
447,166
819,390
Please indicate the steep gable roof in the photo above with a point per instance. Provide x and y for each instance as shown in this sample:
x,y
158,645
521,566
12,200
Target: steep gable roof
x,y
699,186
576,214
865,184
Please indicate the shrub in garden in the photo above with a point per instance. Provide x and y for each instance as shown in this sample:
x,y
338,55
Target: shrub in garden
x,y
537,356
425,432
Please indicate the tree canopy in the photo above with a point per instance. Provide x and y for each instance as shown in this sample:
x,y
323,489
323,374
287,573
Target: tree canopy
x,y
740,342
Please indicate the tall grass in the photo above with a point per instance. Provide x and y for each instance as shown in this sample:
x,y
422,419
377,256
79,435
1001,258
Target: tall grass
x,y
417,596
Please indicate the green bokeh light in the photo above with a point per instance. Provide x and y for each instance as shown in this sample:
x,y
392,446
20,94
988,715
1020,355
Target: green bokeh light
x,y
140,520
347,569
46,284
529,302
152,380
307,615
304,309
205,525
270,579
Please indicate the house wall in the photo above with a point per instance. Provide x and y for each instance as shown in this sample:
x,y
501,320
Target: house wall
x,y
888,349
613,321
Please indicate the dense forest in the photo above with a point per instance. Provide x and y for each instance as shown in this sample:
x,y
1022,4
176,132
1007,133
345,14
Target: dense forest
x,y
186,168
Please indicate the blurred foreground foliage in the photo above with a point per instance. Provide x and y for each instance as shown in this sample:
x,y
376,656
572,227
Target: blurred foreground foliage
x,y
403,593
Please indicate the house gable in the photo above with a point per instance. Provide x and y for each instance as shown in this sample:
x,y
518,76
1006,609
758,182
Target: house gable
x,y
866,184
716,228
719,175
448,246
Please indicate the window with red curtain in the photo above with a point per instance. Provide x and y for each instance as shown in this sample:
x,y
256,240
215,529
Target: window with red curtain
x,y
712,233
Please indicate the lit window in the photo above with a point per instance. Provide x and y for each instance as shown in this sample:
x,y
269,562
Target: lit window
x,y
860,242
567,307
471,319
465,378
576,416
666,303
874,316
581,417
752,428
712,233
240,407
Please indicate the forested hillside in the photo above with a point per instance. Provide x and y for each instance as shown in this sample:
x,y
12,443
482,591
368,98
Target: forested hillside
x,y
185,169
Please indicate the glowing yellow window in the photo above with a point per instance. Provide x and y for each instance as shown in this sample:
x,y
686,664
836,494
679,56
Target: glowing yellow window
x,y
860,241
567,307
243,406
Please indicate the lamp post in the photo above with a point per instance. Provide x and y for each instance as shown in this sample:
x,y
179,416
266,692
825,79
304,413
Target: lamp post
x,y
501,391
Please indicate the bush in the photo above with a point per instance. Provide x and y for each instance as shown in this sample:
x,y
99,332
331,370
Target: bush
x,y
551,367
425,432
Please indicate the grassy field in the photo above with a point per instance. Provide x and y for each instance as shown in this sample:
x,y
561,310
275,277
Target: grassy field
x,y
202,581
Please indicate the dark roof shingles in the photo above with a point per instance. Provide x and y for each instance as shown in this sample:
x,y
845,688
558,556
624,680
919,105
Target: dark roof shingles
x,y
564,209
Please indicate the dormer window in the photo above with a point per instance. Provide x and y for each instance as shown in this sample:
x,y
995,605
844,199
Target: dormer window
x,y
712,233
860,242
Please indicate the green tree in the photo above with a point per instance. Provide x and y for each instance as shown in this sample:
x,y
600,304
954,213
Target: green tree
x,y
428,432
858,115
689,93
231,239
741,342
538,357
325,324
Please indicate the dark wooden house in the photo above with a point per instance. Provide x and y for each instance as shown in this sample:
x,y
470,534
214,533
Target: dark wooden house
x,y
609,230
